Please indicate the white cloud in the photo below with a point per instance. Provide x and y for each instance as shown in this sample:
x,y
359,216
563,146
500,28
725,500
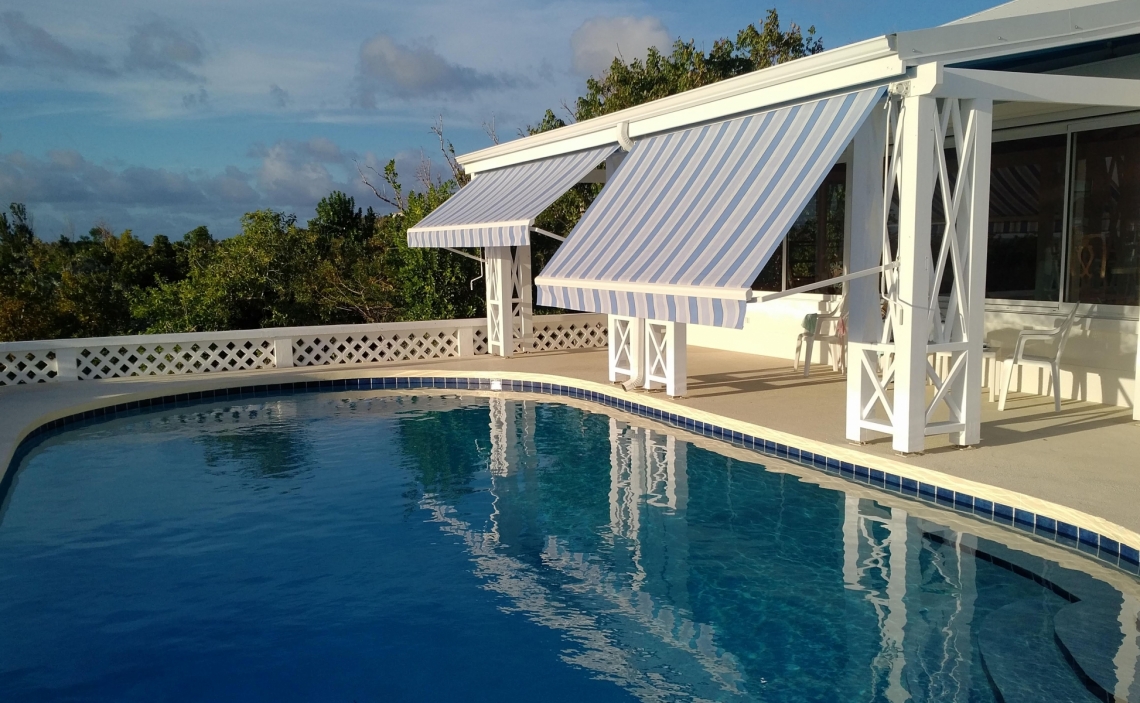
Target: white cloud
x,y
600,39
164,49
416,71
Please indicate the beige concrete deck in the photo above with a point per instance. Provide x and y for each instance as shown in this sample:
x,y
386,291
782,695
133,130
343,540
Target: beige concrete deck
x,y
1086,458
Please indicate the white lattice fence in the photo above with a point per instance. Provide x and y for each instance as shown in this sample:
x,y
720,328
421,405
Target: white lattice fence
x,y
119,360
551,332
250,350
33,366
410,345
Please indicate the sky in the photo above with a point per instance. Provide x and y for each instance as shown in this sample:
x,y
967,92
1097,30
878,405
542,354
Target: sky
x,y
161,116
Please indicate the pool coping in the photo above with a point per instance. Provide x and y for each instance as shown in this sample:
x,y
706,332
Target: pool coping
x,y
1095,537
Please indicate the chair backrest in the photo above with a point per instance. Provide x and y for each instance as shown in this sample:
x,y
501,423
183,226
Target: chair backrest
x,y
1063,335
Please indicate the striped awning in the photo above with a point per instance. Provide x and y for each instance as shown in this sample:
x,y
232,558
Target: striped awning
x,y
691,217
497,208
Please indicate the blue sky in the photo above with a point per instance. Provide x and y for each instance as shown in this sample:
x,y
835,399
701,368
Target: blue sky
x,y
160,116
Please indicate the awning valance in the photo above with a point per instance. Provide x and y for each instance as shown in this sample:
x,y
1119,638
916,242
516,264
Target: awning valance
x,y
691,217
498,207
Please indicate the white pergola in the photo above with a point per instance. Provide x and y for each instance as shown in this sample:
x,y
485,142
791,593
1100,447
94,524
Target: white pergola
x,y
898,152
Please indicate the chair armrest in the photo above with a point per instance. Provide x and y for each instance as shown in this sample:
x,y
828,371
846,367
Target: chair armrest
x,y
1027,335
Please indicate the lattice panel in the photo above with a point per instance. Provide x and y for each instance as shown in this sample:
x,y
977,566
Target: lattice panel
x,y
27,367
172,359
373,348
480,335
569,335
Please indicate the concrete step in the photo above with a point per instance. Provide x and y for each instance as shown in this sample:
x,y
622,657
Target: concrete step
x,y
1022,658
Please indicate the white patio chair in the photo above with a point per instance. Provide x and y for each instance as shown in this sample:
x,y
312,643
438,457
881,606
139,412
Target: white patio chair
x,y
1052,363
827,329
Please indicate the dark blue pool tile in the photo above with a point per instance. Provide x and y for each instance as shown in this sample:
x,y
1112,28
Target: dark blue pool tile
x,y
1109,547
892,482
1046,526
862,473
984,508
1064,529
833,464
1129,554
945,496
1003,514
926,492
1024,519
793,453
848,470
1088,538
878,478
910,486
963,502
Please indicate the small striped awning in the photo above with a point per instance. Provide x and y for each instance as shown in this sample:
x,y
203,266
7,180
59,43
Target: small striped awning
x,y
690,218
497,208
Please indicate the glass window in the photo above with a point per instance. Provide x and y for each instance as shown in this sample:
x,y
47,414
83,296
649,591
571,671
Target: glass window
x,y
814,247
1027,189
1105,215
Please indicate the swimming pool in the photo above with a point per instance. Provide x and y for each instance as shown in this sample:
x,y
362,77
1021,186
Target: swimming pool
x,y
381,546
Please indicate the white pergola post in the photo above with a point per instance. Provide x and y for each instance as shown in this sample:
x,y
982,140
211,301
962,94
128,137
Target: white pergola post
x,y
522,299
626,340
666,356
499,324
911,323
978,118
862,250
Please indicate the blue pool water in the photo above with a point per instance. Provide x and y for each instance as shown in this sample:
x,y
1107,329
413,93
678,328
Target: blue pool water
x,y
377,547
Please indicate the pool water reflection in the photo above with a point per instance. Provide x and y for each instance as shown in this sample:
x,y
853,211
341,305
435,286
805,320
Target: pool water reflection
x,y
372,546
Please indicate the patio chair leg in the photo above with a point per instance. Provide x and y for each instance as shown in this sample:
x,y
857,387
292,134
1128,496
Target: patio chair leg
x,y
1005,386
807,357
1056,389
796,358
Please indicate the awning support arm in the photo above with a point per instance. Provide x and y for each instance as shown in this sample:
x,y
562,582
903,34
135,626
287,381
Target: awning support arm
x,y
552,235
828,282
463,253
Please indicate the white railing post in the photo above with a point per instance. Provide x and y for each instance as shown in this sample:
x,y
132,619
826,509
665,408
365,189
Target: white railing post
x,y
911,322
465,338
66,368
863,249
283,352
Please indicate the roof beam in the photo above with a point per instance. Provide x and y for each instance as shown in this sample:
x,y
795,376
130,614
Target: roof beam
x,y
1035,88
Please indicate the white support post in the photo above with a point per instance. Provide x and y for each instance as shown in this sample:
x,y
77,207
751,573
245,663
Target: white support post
x,y
1136,382
499,324
522,299
912,324
626,339
65,367
666,356
978,114
465,341
863,249
283,352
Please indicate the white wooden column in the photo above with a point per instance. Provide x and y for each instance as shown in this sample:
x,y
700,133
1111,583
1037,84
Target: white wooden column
x,y
498,275
522,299
1136,382
626,341
666,356
978,116
863,249
911,322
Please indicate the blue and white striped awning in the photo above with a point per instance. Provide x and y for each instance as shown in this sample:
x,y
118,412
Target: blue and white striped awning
x,y
691,217
497,208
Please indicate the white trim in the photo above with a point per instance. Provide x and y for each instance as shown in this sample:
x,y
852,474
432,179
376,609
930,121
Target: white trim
x,y
1037,88
473,225
649,288
552,235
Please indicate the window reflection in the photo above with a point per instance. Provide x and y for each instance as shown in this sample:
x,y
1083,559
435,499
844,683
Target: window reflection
x,y
1027,188
1105,196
